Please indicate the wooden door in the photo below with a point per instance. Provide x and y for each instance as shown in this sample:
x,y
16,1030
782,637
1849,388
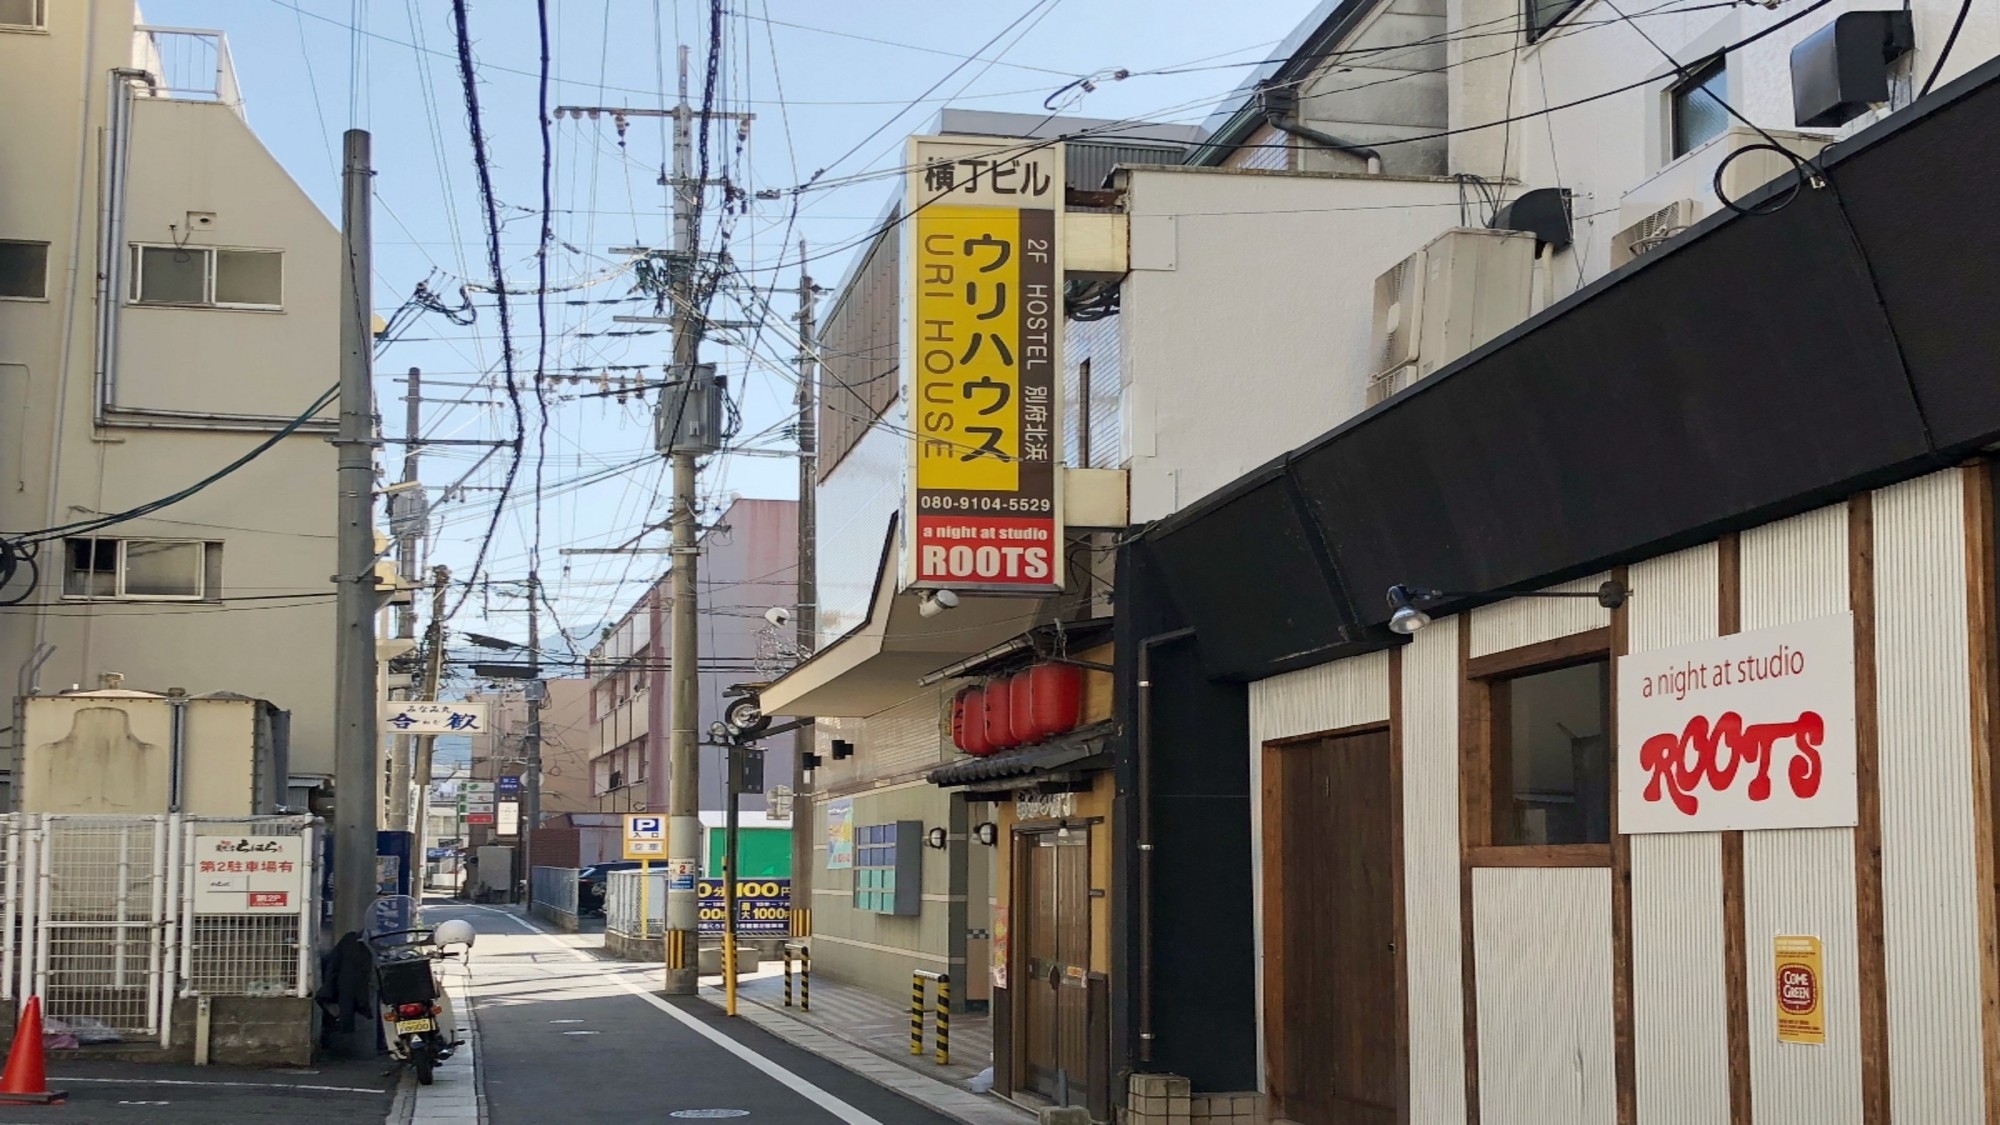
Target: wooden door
x,y
1330,917
1049,981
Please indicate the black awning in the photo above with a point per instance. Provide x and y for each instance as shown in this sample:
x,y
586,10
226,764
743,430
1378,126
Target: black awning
x,y
1087,748
1759,366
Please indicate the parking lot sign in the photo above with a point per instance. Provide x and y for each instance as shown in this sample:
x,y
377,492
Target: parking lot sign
x,y
645,836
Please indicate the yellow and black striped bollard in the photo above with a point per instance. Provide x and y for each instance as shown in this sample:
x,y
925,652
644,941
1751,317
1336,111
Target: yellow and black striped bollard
x,y
916,1013
805,978
943,1018
788,976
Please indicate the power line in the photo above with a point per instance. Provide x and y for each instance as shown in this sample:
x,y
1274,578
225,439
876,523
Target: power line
x,y
469,78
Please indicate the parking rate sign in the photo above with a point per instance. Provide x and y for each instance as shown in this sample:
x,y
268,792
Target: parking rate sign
x,y
645,836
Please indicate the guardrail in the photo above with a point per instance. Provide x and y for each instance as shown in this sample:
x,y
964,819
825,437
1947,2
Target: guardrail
x,y
554,895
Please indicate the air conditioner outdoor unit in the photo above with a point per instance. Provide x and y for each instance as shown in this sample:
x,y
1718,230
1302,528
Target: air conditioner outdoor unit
x,y
1683,193
1463,289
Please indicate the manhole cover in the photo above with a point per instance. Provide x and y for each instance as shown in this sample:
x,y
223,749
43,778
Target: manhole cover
x,y
710,1113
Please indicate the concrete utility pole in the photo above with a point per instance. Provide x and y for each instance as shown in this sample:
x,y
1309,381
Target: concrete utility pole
x,y
683,756
531,746
684,761
806,582
433,678
409,535
357,750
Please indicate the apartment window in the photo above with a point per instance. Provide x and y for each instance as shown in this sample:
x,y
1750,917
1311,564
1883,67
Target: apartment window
x,y
201,275
23,13
1550,756
1545,14
24,268
1696,106
142,569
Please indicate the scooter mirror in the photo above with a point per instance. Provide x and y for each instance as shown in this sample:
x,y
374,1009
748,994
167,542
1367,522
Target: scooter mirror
x,y
456,931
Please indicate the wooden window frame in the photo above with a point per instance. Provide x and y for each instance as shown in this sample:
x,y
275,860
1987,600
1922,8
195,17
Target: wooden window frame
x,y
1481,710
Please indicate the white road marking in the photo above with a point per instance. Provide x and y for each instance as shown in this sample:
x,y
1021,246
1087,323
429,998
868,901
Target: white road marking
x,y
238,1085
784,1077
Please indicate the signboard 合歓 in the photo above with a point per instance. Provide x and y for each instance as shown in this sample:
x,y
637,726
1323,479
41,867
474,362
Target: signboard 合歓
x,y
249,874
763,907
1799,974
984,298
645,836
1749,731
840,834
419,717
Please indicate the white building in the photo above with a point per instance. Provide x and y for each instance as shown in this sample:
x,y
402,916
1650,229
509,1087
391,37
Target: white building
x,y
168,302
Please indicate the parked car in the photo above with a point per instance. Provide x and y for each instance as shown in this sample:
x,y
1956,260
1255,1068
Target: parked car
x,y
590,884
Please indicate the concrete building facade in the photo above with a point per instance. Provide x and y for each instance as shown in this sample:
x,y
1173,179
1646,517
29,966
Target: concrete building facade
x,y
168,302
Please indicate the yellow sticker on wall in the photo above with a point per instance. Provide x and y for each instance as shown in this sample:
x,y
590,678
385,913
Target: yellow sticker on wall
x,y
1801,989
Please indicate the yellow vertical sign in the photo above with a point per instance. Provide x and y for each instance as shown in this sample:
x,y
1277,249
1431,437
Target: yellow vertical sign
x,y
1800,980
968,344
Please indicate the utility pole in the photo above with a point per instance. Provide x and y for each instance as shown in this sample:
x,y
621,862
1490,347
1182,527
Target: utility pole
x,y
684,761
427,743
408,504
531,747
357,751
806,583
683,756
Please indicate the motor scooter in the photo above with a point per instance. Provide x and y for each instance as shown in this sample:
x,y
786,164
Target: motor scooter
x,y
418,1024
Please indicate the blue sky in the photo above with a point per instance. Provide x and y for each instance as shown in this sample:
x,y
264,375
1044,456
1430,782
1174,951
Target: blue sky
x,y
820,78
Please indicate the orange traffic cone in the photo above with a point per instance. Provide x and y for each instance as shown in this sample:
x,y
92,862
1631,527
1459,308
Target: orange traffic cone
x,y
26,1082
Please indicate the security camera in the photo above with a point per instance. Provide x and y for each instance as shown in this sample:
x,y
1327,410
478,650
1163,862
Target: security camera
x,y
778,615
934,602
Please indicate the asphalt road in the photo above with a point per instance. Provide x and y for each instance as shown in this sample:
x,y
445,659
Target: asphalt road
x,y
566,1036
108,1093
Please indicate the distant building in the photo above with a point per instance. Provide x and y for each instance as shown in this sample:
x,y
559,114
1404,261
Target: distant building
x,y
748,566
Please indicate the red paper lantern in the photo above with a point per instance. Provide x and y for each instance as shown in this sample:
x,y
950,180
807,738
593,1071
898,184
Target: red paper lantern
x,y
1021,709
968,721
1054,701
997,711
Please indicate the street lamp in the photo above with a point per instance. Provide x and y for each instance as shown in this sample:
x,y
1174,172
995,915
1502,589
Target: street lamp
x,y
1405,618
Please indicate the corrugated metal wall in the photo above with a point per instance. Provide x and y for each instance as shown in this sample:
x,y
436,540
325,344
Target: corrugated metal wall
x,y
1088,166
1095,342
860,341
1801,882
1345,693
1679,1001
1433,951
1527,621
1930,885
1266,148
1542,944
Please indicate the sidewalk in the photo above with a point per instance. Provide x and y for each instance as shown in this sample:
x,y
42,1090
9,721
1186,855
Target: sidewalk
x,y
870,1035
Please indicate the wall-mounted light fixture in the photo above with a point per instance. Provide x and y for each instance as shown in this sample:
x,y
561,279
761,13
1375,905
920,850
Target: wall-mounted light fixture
x,y
842,749
930,603
1406,618
986,832
935,838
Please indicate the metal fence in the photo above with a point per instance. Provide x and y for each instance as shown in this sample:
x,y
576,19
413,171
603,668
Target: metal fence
x,y
188,63
635,903
552,892
110,918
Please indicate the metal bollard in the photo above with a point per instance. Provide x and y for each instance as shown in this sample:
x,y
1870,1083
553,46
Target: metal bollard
x,y
788,976
943,980
805,978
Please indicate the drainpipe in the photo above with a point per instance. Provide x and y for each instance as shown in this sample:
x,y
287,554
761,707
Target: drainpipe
x,y
1143,740
177,704
111,265
1281,104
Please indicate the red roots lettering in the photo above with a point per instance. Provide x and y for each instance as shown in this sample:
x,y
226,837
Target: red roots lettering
x,y
1681,763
